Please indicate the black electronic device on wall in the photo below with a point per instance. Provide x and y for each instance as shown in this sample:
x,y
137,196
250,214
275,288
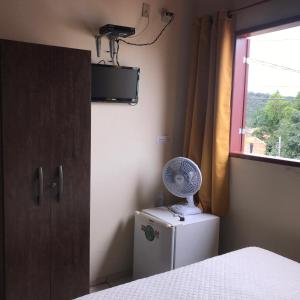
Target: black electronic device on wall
x,y
116,31
115,84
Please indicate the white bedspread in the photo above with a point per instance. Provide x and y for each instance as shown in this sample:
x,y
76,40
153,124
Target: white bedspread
x,y
250,273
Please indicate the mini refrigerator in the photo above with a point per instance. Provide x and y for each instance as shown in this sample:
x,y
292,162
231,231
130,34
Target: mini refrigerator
x,y
162,242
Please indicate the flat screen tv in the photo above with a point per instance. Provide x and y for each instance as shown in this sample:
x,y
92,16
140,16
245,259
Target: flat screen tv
x,y
115,84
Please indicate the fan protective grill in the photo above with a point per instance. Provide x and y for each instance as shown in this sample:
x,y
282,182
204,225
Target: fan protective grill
x,y
182,177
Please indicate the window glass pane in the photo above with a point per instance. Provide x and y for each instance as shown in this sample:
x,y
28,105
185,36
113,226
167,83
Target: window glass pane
x,y
272,120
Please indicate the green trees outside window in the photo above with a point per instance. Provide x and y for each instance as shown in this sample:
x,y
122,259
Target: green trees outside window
x,y
276,120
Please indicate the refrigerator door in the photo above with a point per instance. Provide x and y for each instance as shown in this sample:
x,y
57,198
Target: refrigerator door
x,y
196,241
153,246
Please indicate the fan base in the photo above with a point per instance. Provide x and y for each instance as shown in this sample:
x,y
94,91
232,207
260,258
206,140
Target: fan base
x,y
185,209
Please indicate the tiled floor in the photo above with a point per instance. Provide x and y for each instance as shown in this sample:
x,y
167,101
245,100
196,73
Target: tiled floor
x,y
99,287
109,284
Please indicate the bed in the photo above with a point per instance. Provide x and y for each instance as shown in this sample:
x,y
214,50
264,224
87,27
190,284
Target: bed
x,y
249,273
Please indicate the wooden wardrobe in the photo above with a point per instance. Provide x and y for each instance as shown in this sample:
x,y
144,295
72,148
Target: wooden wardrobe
x,y
45,171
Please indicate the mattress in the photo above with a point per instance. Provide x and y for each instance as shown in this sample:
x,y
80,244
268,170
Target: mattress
x,y
249,273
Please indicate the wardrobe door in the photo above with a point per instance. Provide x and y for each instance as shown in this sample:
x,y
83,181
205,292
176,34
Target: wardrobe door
x,y
69,153
25,102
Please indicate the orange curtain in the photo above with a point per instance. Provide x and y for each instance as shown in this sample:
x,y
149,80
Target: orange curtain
x,y
208,113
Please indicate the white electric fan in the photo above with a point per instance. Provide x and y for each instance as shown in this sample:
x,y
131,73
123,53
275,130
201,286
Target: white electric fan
x,y
182,177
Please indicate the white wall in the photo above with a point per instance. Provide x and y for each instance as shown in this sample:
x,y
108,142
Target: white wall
x,y
126,161
266,13
264,208
262,14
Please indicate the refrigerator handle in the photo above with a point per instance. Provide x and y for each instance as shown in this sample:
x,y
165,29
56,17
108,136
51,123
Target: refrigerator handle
x,y
173,249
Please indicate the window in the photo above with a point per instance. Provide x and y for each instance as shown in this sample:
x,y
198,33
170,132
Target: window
x,y
266,94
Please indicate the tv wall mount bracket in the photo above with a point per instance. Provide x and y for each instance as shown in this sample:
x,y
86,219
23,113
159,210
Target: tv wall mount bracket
x,y
113,33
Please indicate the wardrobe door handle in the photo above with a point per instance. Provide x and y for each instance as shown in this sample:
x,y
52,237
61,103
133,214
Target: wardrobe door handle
x,y
41,185
60,182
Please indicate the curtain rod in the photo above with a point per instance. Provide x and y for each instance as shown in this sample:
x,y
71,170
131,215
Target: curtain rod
x,y
233,11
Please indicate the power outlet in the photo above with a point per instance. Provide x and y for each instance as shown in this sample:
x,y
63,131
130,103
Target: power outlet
x,y
162,139
166,15
146,10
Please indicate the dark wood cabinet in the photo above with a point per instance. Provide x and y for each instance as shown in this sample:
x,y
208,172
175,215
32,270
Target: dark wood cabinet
x,y
45,171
